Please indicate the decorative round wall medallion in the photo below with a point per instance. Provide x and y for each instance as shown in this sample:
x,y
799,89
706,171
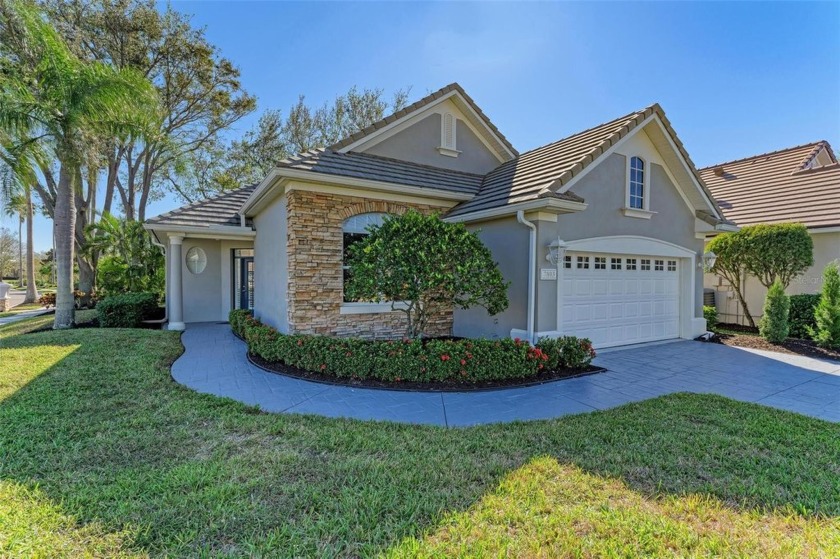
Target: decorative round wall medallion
x,y
196,260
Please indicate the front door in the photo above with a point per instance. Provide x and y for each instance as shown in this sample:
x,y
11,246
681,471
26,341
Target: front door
x,y
246,282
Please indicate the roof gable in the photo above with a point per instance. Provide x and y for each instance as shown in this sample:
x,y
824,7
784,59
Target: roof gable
x,y
454,94
791,184
551,170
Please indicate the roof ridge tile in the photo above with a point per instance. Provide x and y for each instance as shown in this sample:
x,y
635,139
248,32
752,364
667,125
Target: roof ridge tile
x,y
760,155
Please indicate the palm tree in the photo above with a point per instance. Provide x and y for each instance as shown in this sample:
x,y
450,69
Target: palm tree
x,y
18,201
50,98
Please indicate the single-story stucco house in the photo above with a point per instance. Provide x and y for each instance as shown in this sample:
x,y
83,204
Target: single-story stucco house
x,y
601,234
798,184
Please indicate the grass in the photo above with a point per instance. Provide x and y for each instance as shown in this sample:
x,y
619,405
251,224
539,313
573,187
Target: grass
x,y
102,454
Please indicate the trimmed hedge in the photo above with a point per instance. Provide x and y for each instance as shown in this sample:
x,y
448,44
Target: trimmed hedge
x,y
801,315
466,361
126,310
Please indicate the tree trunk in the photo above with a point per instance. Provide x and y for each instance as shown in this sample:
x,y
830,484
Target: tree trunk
x,y
87,278
31,288
65,240
20,251
744,306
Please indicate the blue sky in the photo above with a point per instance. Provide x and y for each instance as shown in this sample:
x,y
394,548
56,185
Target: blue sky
x,y
735,79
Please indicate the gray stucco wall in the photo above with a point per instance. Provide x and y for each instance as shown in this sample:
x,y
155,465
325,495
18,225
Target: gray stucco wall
x,y
201,292
604,191
508,241
271,266
419,142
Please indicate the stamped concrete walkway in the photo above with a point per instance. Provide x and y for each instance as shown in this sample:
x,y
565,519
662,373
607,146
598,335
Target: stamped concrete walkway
x,y
214,362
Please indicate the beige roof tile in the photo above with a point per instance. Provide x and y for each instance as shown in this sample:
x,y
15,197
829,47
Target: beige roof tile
x,y
222,209
778,186
543,171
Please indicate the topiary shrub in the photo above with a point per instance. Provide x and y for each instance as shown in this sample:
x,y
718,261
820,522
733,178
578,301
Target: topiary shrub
x,y
411,360
126,310
711,316
774,324
801,316
827,313
450,268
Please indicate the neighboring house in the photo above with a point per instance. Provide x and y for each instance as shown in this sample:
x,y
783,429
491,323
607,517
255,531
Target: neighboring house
x,y
600,234
798,184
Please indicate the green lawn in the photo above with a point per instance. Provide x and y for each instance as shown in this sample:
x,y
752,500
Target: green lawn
x,y
102,454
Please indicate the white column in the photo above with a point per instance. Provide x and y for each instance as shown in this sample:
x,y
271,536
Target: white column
x,y
176,300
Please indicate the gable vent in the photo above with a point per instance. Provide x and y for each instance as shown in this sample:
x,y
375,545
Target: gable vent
x,y
448,135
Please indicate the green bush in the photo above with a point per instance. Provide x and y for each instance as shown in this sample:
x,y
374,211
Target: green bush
x,y
125,311
827,314
711,316
409,360
567,352
801,316
774,324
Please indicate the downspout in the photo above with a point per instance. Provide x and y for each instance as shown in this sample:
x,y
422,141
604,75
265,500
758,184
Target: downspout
x,y
532,262
157,243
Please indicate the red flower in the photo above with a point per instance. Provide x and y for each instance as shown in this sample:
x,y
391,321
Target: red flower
x,y
444,358
463,361
323,366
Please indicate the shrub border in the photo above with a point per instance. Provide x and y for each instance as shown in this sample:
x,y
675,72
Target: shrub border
x,y
433,388
553,351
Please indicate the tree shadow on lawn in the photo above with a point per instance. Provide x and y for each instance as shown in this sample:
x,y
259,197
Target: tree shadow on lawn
x,y
105,432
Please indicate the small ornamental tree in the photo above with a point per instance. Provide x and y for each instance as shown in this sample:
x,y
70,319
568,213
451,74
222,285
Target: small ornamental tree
x,y
730,250
778,251
427,264
774,324
827,313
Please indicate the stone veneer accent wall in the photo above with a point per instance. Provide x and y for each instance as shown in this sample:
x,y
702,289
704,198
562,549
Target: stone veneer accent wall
x,y
315,246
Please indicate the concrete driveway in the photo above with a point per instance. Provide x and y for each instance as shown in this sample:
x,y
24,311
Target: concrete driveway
x,y
214,362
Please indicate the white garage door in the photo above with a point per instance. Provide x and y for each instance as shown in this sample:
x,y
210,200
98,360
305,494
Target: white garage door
x,y
619,299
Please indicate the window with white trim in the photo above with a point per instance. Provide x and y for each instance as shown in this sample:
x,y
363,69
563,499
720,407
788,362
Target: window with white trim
x,y
637,183
615,263
567,262
631,264
583,262
645,265
659,265
600,262
354,229
672,265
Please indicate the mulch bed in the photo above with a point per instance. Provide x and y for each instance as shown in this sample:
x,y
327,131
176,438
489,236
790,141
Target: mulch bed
x,y
791,346
548,376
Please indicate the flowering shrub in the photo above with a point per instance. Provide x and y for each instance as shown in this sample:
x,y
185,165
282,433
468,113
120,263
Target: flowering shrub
x,y
413,360
567,352
48,299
